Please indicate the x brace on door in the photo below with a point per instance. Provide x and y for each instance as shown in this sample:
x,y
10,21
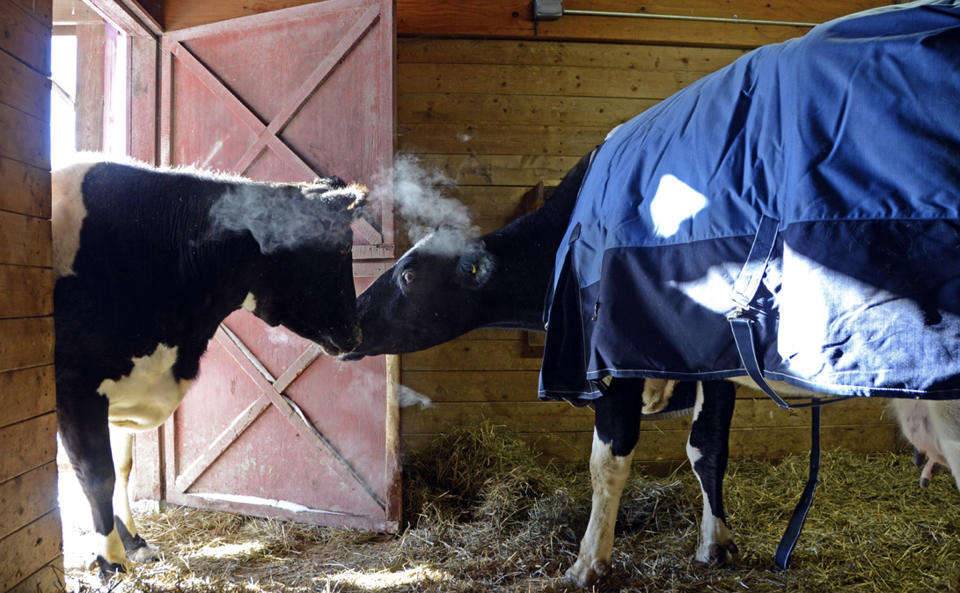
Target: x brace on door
x,y
271,393
268,133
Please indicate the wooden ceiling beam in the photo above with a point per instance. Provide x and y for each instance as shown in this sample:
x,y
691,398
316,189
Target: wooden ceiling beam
x,y
513,19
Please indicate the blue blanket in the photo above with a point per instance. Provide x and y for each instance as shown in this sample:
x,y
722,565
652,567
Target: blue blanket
x,y
811,187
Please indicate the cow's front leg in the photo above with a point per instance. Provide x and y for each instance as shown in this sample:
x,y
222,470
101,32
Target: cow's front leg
x,y
121,443
708,449
615,435
85,437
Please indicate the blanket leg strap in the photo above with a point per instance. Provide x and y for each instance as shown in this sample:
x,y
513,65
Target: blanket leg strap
x,y
741,323
743,336
789,540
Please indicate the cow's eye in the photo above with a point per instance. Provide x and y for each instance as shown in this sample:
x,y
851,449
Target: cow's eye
x,y
407,276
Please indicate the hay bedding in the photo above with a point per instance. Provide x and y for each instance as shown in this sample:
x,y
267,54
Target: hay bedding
x,y
487,518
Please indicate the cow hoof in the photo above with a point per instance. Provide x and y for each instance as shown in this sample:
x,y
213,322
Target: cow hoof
x,y
583,574
718,554
108,570
723,553
138,549
919,459
144,553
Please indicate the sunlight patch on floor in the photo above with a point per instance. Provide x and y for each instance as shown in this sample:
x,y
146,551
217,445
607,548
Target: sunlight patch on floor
x,y
385,579
229,550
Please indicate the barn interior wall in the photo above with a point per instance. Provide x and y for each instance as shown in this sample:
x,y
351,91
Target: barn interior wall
x,y
498,116
500,103
30,550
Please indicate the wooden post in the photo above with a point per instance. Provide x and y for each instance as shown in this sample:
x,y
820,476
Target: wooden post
x,y
91,81
30,538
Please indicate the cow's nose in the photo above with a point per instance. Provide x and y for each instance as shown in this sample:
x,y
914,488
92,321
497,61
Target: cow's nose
x,y
345,344
353,341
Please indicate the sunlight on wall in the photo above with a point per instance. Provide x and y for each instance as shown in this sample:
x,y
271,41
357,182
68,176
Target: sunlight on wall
x,y
63,92
63,96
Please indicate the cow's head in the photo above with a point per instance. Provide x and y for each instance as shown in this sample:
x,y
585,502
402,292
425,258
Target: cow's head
x,y
306,280
434,293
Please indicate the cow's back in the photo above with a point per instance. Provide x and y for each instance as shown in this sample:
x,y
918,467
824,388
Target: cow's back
x,y
137,264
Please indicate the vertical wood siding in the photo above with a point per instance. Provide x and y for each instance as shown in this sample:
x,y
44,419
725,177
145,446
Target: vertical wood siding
x,y
30,539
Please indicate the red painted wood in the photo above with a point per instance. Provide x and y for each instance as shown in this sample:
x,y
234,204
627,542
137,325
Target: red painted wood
x,y
285,96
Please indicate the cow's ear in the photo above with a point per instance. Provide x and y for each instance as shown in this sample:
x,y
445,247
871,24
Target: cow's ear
x,y
357,199
475,267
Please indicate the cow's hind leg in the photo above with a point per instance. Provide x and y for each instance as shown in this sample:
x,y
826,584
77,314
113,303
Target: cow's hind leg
x,y
616,431
121,443
708,449
86,439
945,418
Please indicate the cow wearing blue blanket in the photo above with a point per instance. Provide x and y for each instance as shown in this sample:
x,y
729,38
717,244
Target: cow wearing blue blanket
x,y
793,217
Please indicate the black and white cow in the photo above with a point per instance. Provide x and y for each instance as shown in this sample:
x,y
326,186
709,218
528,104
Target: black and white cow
x,y
147,264
445,286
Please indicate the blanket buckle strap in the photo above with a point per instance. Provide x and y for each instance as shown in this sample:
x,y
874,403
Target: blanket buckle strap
x,y
741,320
744,290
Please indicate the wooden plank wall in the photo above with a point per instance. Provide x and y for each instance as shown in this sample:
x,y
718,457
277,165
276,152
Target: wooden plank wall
x,y
30,539
497,116
499,102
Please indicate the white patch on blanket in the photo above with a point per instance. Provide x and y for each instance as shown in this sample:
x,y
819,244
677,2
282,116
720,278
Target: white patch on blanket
x,y
674,202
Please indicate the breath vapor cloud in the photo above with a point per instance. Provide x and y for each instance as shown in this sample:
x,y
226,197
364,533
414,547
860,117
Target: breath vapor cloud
x,y
421,205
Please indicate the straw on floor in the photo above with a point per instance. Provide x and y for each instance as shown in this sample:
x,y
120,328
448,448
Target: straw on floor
x,y
483,514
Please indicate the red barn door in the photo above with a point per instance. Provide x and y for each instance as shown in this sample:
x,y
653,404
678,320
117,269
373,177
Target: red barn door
x,y
272,427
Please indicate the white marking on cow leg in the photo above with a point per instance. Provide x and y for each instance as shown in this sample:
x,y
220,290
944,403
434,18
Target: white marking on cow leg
x,y
608,475
121,445
715,538
67,216
249,303
111,549
945,418
147,396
